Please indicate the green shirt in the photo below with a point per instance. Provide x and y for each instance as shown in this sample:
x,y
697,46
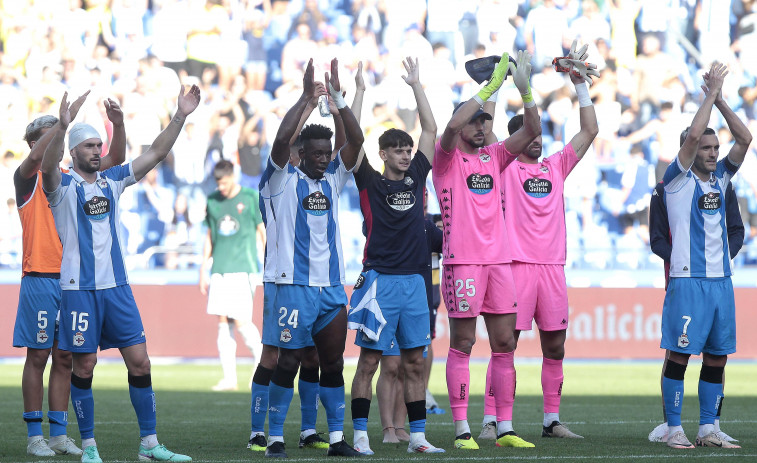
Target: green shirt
x,y
233,224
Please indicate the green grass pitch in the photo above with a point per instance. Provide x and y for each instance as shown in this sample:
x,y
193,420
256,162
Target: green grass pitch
x,y
613,404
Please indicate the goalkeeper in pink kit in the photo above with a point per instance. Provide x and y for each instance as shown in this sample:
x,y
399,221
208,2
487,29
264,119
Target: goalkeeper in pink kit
x,y
535,224
477,279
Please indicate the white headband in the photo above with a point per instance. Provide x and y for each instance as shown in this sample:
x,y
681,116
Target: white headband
x,y
81,132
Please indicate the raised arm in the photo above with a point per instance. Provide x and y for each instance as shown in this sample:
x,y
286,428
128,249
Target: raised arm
x,y
588,117
340,138
51,158
290,122
742,137
462,116
428,124
311,105
519,141
32,163
117,153
713,84
159,149
353,132
357,105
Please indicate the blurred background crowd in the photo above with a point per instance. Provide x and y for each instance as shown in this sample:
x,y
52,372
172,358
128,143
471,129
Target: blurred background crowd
x,y
248,57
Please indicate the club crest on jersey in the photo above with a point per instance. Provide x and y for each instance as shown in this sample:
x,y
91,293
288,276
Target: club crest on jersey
x,y
78,340
240,207
683,341
42,337
485,157
409,181
97,208
286,335
480,184
228,226
316,203
544,169
709,203
464,306
401,201
537,187
102,183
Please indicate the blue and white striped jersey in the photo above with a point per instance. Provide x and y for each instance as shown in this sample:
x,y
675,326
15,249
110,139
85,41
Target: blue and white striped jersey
x,y
696,213
308,243
88,222
269,220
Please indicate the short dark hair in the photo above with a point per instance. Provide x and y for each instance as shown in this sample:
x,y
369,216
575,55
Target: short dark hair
x,y
515,123
315,132
34,130
222,169
685,133
394,138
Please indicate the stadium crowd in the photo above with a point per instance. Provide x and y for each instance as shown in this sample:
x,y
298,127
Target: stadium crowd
x,y
248,57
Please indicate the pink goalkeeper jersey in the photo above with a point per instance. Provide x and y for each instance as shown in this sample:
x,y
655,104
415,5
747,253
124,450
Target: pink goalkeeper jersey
x,y
535,209
470,199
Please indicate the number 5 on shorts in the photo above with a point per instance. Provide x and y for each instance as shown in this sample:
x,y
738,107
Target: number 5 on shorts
x,y
292,320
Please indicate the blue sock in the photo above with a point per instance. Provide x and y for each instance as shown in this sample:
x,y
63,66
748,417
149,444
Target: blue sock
x,y
360,424
418,426
332,399
33,423
709,401
58,423
672,396
84,405
279,398
143,401
258,407
308,403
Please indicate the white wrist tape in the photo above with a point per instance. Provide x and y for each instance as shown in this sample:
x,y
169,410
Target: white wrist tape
x,y
336,97
582,91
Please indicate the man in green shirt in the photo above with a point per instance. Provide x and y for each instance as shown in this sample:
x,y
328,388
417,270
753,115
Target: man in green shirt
x,y
234,228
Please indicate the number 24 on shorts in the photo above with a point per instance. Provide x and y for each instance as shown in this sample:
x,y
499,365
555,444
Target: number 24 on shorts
x,y
292,320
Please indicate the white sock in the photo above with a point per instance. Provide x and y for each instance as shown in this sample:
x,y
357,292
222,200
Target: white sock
x,y
33,438
717,424
336,437
461,427
56,439
359,434
255,434
549,418
252,339
674,429
306,432
272,439
504,426
489,419
705,429
417,437
150,441
227,351
88,443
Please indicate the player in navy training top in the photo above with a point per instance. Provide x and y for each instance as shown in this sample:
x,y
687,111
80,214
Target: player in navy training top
x,y
389,300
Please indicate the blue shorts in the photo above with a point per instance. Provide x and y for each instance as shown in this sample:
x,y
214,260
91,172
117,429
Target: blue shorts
x,y
36,319
271,329
699,315
300,312
404,306
394,350
102,318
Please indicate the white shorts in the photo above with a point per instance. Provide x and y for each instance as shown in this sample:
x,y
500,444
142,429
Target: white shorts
x,y
231,295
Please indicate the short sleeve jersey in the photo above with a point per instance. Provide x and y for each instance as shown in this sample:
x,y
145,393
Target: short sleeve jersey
x,y
468,187
697,218
393,218
88,222
233,225
535,208
309,246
